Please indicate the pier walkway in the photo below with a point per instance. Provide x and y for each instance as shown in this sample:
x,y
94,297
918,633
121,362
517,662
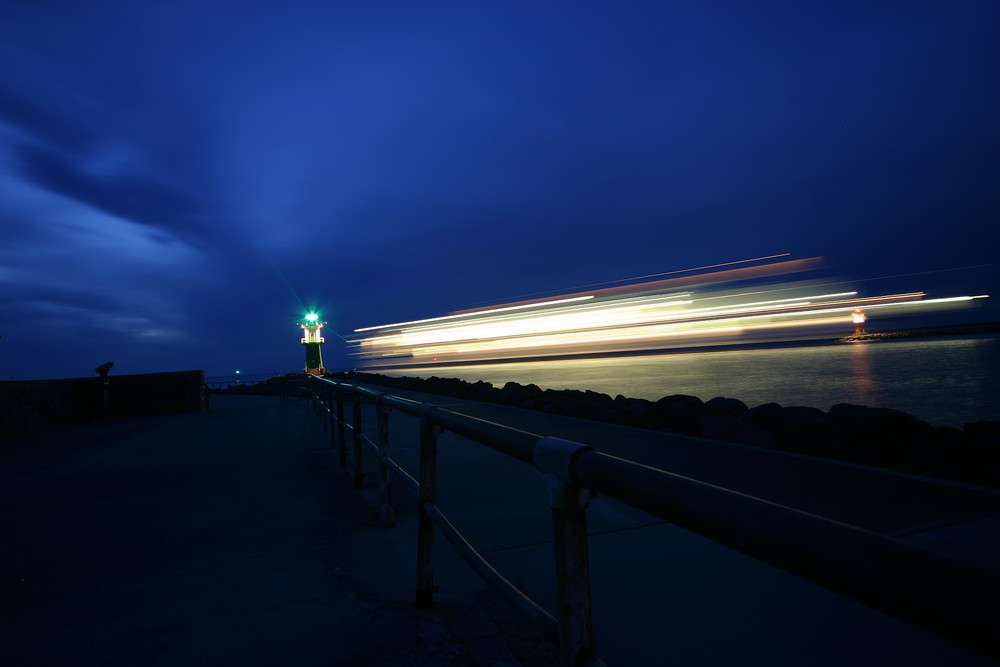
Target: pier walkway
x,y
230,536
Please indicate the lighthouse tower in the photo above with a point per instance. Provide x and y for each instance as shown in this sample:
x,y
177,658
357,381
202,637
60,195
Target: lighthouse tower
x,y
312,340
858,316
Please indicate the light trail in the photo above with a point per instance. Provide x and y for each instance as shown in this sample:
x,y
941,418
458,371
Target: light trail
x,y
480,312
629,280
644,316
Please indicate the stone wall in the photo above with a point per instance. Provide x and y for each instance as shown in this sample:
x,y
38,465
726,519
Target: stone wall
x,y
39,405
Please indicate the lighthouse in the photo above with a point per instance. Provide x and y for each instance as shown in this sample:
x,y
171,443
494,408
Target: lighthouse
x,y
858,316
313,341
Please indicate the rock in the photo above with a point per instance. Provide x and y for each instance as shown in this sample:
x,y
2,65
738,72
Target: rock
x,y
574,403
884,451
730,428
935,458
567,402
949,433
988,430
803,430
858,422
766,416
516,394
484,391
872,436
630,411
979,458
725,406
447,387
678,413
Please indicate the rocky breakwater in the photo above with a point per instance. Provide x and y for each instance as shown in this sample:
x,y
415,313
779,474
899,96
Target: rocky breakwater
x,y
872,436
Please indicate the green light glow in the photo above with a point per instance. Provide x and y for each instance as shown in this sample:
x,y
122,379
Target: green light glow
x,y
312,317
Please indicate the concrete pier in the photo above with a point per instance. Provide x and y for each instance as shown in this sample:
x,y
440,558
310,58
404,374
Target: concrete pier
x,y
231,536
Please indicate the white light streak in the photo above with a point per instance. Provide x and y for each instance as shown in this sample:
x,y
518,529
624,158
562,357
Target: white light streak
x,y
478,312
637,320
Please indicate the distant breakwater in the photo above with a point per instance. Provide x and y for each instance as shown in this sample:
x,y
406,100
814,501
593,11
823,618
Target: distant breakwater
x,y
879,437
921,333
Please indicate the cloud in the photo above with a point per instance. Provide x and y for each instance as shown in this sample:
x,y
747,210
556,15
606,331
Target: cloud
x,y
89,313
27,299
132,198
49,127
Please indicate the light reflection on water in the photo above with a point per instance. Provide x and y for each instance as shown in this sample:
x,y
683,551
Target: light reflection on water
x,y
944,381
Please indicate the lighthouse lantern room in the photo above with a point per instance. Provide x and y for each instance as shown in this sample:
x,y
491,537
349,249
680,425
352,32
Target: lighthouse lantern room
x,y
313,341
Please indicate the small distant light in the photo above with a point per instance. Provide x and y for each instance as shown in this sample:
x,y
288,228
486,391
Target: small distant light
x,y
237,371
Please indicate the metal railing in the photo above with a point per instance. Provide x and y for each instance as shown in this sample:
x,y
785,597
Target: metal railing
x,y
951,599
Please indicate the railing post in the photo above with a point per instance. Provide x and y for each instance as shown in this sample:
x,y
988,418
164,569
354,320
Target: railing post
x,y
341,436
358,462
427,493
321,401
388,515
569,538
332,416
329,411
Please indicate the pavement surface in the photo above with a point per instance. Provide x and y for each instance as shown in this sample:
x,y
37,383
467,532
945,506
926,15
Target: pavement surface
x,y
231,536
226,537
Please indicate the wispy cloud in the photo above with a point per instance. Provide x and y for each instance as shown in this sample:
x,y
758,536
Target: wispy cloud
x,y
132,198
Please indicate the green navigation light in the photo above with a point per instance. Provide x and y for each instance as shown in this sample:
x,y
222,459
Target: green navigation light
x,y
312,317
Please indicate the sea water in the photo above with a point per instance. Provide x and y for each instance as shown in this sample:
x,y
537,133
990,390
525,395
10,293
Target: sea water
x,y
945,381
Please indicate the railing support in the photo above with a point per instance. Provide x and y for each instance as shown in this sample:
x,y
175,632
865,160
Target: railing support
x,y
953,599
322,394
569,538
388,515
332,416
358,444
324,413
341,436
425,525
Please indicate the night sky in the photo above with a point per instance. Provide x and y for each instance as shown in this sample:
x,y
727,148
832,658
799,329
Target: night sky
x,y
180,180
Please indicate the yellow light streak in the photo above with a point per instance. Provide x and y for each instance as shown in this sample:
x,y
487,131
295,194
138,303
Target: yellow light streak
x,y
618,320
479,312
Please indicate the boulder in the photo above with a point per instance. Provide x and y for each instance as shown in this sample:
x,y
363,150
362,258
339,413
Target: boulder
x,y
884,451
677,413
985,430
630,411
872,436
730,428
583,404
766,416
516,394
803,430
859,422
725,406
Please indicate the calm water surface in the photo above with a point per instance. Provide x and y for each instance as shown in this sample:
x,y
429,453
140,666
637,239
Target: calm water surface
x,y
945,381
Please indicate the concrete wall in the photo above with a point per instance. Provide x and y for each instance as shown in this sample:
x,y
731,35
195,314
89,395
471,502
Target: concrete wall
x,y
39,405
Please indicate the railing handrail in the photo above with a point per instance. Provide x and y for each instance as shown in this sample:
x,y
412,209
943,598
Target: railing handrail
x,y
953,599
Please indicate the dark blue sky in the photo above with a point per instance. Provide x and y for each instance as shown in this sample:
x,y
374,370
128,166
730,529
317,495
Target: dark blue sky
x,y
179,179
